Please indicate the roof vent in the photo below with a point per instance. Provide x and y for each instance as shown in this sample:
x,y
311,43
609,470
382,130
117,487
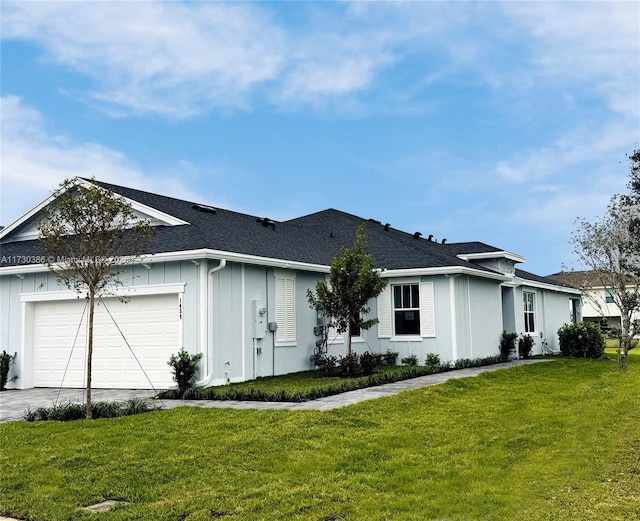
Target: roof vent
x,y
386,227
204,208
417,235
375,221
266,222
444,241
430,238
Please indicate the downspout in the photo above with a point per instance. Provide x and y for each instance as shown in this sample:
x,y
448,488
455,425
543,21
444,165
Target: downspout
x,y
209,307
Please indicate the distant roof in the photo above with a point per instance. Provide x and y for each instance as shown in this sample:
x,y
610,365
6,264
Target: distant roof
x,y
581,279
544,280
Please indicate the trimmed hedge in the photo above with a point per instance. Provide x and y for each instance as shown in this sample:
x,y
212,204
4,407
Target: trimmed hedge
x,y
348,384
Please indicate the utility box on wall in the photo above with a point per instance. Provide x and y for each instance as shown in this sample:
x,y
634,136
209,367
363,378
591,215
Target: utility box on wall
x,y
259,318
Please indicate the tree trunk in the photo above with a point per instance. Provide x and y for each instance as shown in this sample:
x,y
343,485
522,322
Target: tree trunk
x,y
625,340
89,352
622,359
349,340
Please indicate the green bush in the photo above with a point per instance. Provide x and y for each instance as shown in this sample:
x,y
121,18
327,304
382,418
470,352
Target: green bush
x,y
184,368
432,360
350,366
6,360
327,365
410,360
368,363
507,345
390,357
584,340
525,345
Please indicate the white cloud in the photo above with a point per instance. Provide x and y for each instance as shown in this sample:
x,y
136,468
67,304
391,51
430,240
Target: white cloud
x,y
34,162
596,43
181,58
588,147
168,57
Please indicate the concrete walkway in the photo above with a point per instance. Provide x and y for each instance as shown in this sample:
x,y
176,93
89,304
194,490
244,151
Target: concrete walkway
x,y
14,403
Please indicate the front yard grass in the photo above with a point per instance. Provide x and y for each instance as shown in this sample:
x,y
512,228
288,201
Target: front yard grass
x,y
552,441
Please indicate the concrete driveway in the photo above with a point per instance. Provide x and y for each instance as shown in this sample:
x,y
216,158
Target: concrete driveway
x,y
14,403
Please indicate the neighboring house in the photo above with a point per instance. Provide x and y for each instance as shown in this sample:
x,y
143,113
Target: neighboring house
x,y
233,287
598,303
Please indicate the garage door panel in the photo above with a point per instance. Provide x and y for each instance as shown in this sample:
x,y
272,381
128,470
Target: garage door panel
x,y
150,325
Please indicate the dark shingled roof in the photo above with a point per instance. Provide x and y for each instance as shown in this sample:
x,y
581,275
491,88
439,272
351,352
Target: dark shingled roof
x,y
461,248
312,239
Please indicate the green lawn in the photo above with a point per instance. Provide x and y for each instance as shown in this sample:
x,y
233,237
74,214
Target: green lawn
x,y
549,441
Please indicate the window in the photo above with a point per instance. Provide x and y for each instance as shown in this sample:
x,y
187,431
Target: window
x,y
608,296
407,310
286,309
529,312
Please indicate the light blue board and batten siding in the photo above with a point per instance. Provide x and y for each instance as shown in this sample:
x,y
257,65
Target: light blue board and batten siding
x,y
291,358
236,354
437,336
468,326
551,311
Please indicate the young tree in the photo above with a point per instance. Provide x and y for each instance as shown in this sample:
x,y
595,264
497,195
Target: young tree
x,y
609,247
88,233
631,201
354,280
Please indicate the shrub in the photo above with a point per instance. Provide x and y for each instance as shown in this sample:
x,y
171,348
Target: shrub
x,y
350,366
184,367
368,362
410,360
6,360
584,340
507,345
432,360
390,357
327,365
378,359
525,345
76,411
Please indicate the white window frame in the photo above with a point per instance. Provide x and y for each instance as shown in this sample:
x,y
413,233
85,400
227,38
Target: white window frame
x,y
394,309
285,302
386,311
529,307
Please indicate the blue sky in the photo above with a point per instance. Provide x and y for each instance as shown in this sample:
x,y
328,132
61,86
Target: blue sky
x,y
497,122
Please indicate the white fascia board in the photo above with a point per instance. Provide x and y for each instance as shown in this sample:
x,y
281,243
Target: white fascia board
x,y
234,257
492,255
518,281
446,270
186,256
24,269
267,261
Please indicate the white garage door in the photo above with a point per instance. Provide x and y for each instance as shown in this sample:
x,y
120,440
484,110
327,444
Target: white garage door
x,y
150,324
